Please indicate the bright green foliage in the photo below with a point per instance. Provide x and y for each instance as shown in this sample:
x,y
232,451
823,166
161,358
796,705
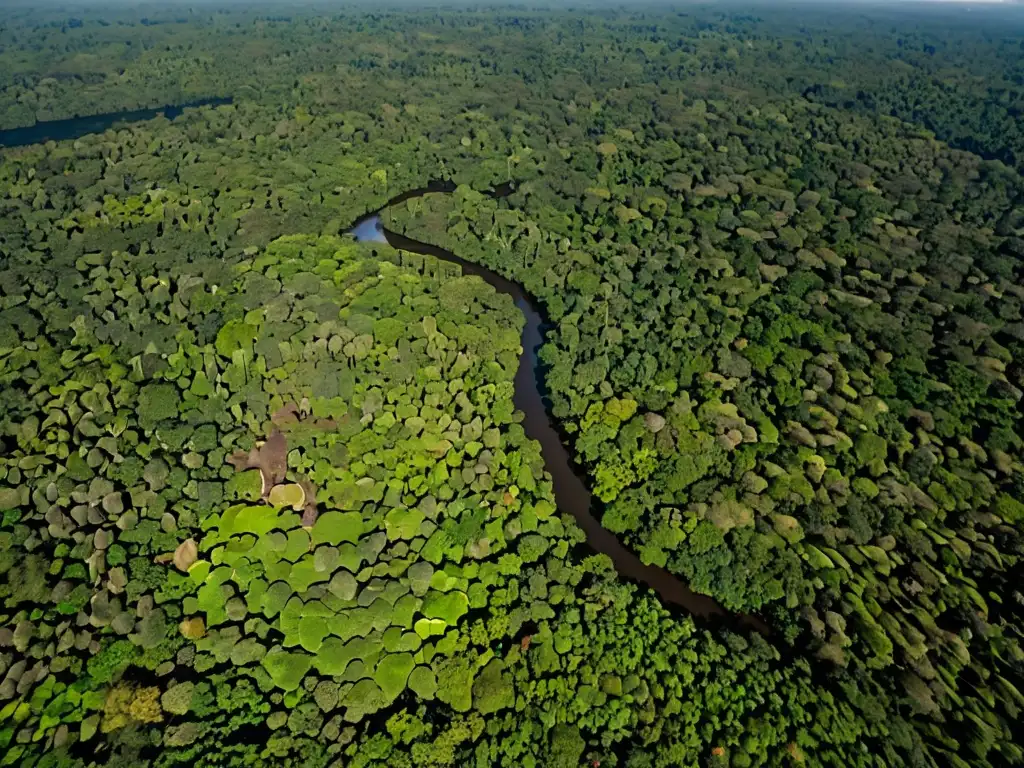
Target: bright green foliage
x,y
782,338
275,598
329,660
312,631
248,651
392,673
107,665
445,606
297,546
343,585
1010,509
245,486
304,573
420,577
566,746
363,699
422,682
287,495
178,699
212,598
235,335
455,683
287,669
403,523
335,527
335,655
326,695
257,520
428,627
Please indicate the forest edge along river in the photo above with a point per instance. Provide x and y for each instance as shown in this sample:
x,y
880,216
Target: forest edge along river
x,y
77,127
570,489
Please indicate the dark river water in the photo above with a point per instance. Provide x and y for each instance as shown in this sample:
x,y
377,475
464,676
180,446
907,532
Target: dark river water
x,y
77,127
568,479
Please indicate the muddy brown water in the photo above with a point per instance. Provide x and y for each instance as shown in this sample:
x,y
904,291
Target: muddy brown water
x,y
568,479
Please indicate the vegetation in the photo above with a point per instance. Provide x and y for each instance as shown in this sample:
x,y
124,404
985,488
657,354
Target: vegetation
x,y
265,497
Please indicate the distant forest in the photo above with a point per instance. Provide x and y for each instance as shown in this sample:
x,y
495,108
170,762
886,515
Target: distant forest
x,y
268,496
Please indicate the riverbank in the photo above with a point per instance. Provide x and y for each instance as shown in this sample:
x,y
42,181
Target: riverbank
x,y
77,127
568,478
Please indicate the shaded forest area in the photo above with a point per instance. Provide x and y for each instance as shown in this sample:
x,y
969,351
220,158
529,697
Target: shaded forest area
x,y
265,495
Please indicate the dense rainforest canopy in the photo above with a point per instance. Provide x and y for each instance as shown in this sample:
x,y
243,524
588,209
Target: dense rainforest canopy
x,y
265,497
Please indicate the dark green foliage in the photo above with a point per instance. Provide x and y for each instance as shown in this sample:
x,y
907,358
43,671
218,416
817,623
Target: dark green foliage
x,y
156,403
565,747
107,665
783,339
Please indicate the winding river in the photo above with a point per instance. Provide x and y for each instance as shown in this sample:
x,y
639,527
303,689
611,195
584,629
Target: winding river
x,y
568,479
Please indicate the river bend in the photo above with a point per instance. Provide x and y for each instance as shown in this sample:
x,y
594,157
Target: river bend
x,y
568,479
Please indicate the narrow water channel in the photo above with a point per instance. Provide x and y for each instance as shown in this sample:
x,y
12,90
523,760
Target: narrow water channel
x,y
568,479
77,127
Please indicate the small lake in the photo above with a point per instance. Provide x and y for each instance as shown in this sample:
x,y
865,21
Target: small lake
x,y
77,127
369,231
